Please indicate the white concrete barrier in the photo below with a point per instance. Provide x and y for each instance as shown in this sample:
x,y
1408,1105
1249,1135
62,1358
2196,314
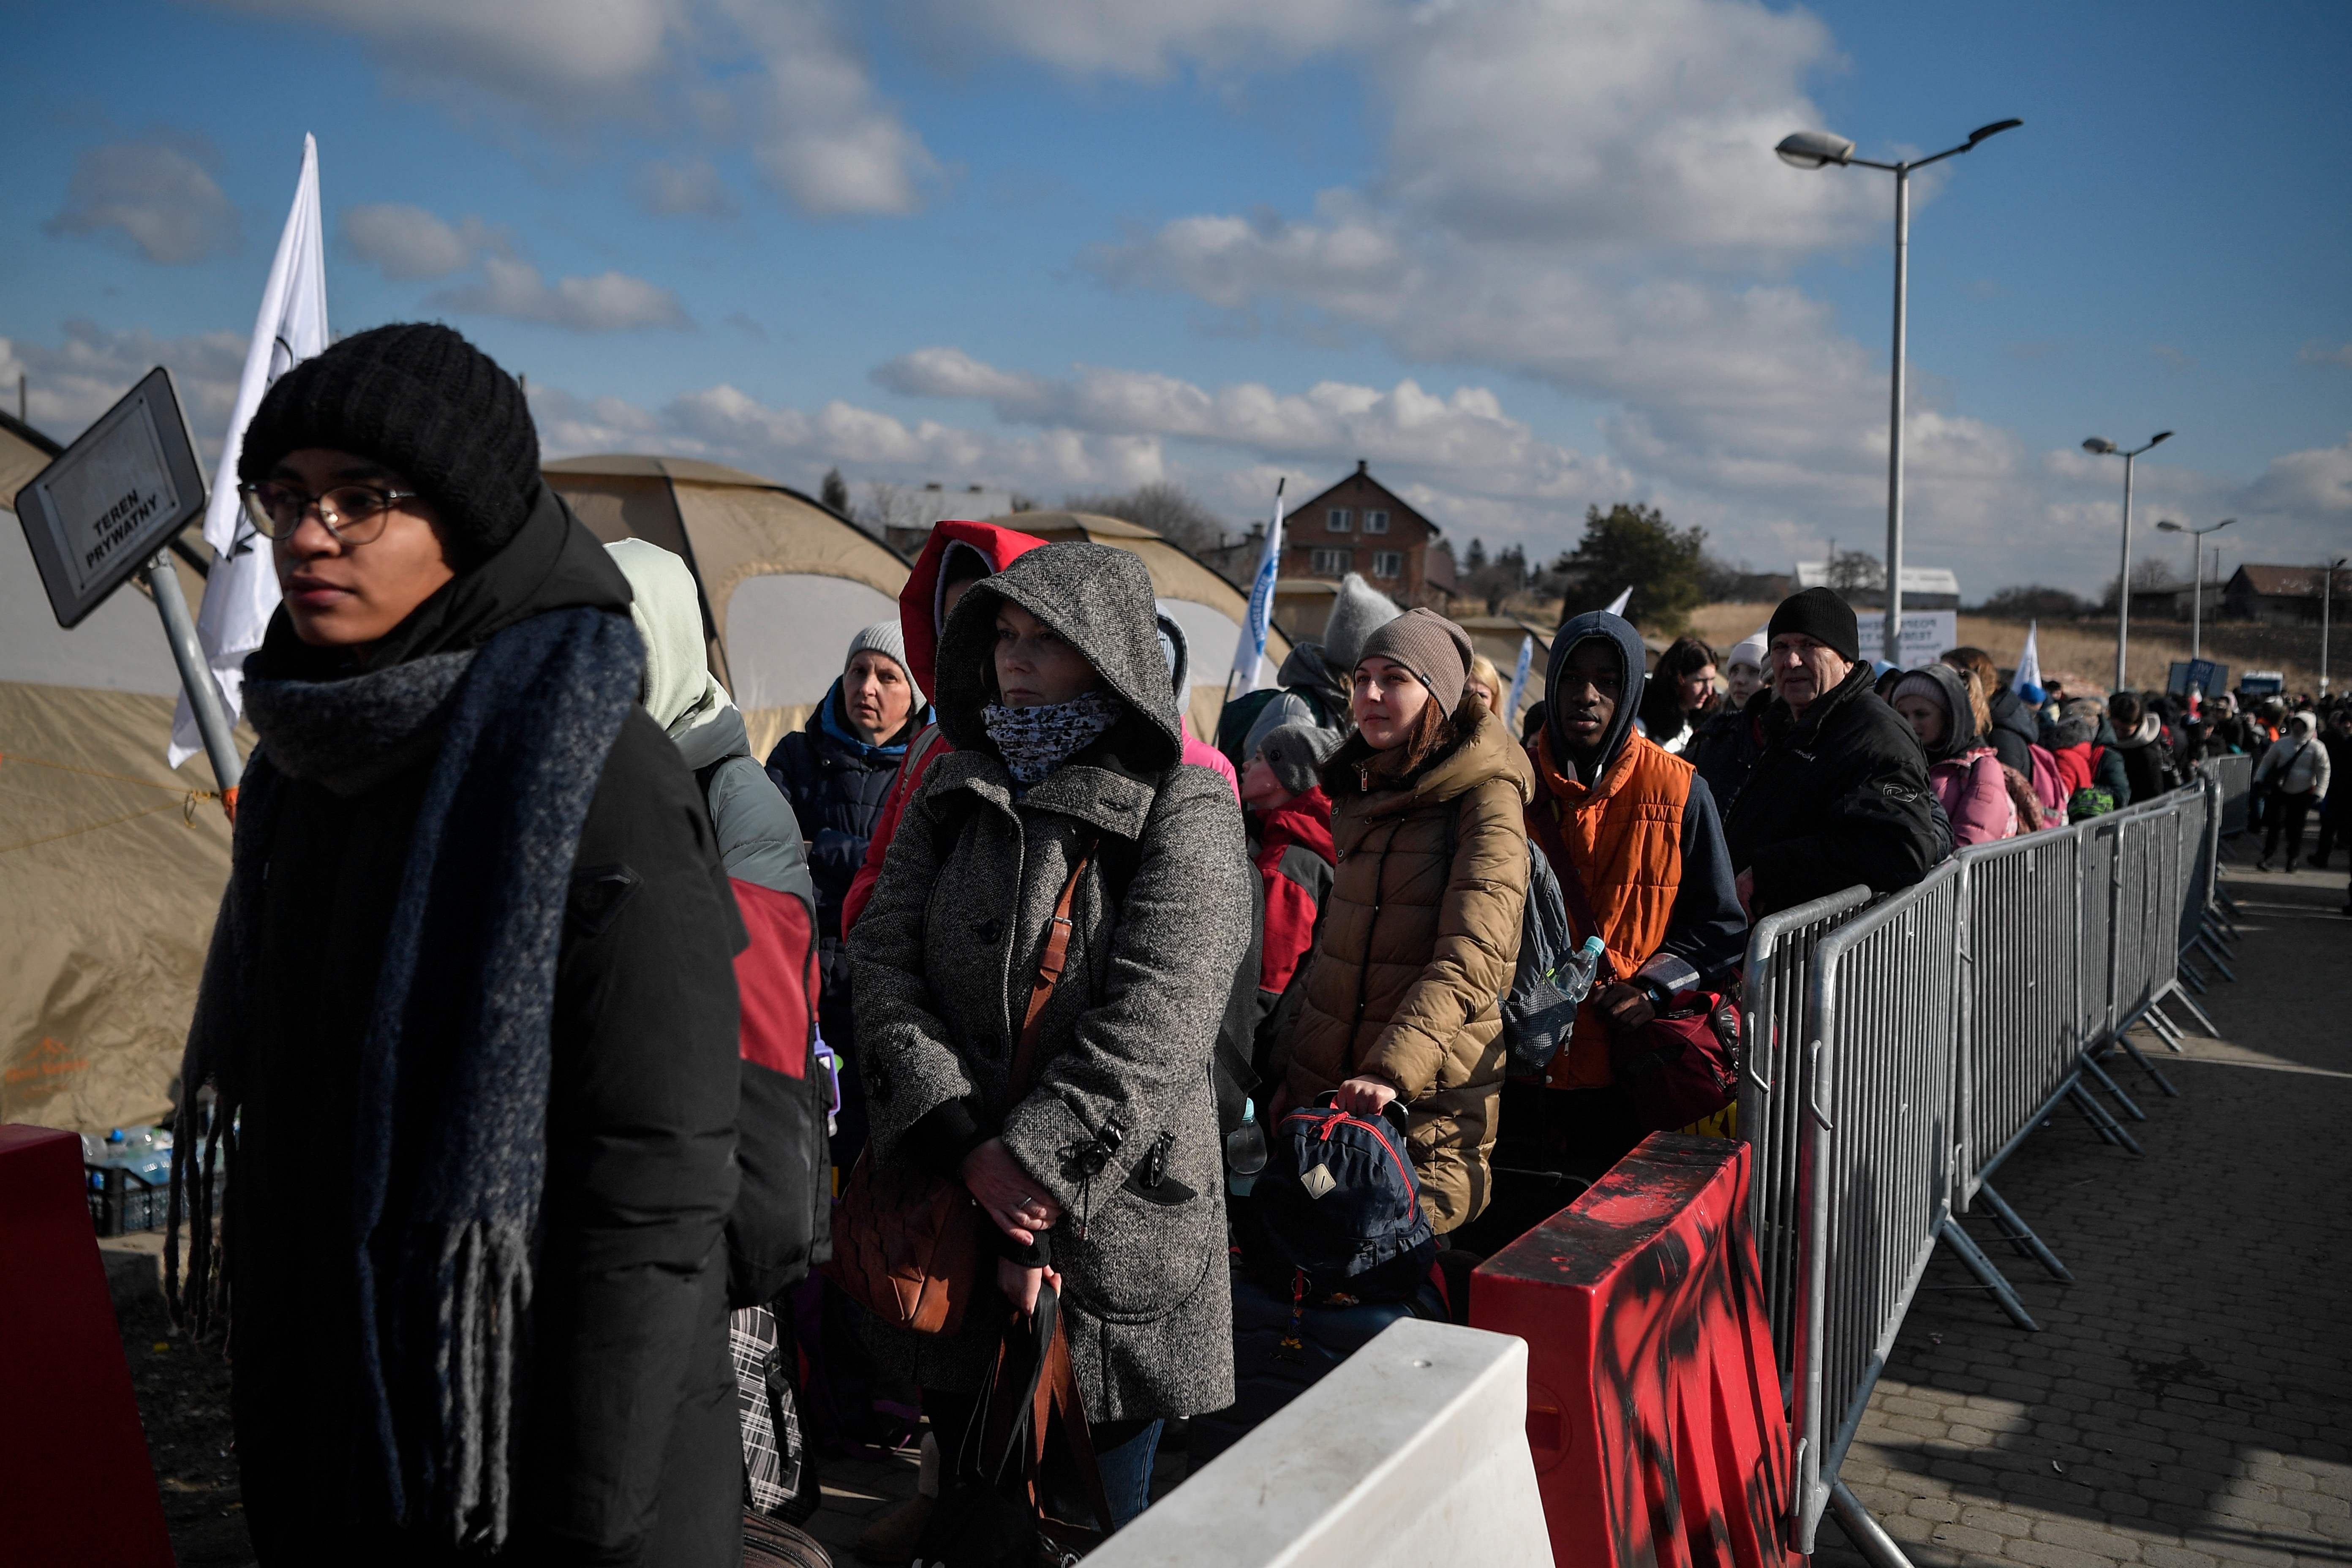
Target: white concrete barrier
x,y
1413,1452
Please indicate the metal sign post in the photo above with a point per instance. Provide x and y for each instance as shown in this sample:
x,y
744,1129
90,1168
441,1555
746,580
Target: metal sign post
x,y
105,509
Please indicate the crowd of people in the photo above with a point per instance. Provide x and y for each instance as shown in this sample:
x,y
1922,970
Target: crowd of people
x,y
996,986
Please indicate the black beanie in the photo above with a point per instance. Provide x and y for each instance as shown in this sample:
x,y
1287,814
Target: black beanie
x,y
1822,616
420,399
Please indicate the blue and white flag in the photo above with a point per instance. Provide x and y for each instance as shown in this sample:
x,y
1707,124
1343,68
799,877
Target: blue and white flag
x,y
1518,682
241,591
2028,663
1249,650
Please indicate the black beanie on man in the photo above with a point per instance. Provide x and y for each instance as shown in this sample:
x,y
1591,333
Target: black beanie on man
x,y
1822,616
423,402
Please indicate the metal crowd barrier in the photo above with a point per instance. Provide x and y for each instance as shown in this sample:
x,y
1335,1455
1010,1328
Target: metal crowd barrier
x,y
2022,1025
1898,1051
1885,1004
1772,1096
2235,775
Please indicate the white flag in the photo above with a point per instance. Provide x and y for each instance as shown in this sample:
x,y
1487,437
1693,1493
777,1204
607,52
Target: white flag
x,y
1617,605
241,591
1249,651
1519,681
2028,663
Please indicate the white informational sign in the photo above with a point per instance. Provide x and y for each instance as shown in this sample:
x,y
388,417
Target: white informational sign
x,y
113,499
1925,635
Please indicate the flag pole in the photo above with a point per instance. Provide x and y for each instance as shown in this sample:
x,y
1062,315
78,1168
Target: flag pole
x,y
1261,605
241,588
197,677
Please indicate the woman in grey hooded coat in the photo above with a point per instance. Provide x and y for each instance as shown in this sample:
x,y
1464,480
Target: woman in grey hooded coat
x,y
1052,686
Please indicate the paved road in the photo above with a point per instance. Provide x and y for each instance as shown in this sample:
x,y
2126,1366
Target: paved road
x,y
2188,1402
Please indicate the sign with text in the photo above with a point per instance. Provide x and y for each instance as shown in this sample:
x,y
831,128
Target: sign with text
x,y
1925,635
113,498
2201,675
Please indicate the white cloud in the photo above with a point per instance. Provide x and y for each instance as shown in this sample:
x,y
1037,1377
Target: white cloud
x,y
567,56
409,243
157,196
806,108
72,382
2318,352
1146,38
1465,440
2309,492
819,133
1583,193
608,302
690,189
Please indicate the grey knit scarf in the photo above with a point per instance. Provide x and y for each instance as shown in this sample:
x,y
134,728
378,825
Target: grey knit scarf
x,y
1033,741
455,1067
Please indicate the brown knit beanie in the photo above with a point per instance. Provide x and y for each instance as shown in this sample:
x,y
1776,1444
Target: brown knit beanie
x,y
1438,651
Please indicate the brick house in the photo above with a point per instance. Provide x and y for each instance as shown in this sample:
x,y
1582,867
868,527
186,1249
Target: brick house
x,y
2286,595
1360,525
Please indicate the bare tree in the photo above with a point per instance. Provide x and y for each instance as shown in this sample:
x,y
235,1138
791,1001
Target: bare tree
x,y
1166,507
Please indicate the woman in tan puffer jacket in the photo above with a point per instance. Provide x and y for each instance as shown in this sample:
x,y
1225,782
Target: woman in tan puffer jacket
x,y
1420,931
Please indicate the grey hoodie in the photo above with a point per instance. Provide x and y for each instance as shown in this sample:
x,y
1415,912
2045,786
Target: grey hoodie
x,y
1121,1127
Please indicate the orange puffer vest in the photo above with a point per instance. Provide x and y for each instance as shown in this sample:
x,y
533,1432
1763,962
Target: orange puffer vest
x,y
1623,838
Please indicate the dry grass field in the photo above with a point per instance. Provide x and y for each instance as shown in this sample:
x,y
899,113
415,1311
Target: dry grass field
x,y
2087,648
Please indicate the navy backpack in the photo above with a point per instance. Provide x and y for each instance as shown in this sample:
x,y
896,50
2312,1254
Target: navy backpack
x,y
1339,1200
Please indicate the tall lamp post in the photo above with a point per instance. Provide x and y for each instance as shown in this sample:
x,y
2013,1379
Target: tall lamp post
x,y
2106,448
2327,599
2197,581
1817,149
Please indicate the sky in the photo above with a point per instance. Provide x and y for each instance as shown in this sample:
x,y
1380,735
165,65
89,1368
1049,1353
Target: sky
x,y
1523,257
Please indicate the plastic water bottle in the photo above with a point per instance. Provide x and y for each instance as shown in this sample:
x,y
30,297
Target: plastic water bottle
x,y
1244,1151
1576,975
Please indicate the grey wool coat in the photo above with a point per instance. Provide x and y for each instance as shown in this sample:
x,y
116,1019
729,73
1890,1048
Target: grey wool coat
x,y
1121,1127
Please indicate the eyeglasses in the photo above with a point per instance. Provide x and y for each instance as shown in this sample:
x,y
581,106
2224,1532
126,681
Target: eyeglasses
x,y
352,513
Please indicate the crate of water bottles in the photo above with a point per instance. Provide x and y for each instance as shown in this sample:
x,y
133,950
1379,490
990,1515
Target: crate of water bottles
x,y
129,1174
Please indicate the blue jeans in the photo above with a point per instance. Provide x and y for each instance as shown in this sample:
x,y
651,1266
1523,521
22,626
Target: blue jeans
x,y
1124,1452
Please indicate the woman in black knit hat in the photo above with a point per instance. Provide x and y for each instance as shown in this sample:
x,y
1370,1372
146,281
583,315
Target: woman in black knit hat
x,y
468,1018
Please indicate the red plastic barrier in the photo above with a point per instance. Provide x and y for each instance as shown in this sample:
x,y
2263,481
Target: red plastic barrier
x,y
1653,1407
76,1484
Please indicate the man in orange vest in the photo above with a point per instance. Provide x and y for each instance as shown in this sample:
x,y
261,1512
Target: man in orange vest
x,y
1636,841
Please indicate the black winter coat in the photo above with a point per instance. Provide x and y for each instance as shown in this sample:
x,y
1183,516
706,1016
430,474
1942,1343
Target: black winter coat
x,y
2015,730
836,784
630,1451
1839,797
1727,744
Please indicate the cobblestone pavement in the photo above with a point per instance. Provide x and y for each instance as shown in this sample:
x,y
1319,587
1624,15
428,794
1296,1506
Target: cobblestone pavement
x,y
2187,1403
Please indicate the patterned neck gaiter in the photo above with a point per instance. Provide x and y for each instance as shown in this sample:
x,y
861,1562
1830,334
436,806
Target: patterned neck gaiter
x,y
1033,741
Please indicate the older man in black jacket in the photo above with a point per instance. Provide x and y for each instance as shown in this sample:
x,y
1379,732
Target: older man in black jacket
x,y
1840,795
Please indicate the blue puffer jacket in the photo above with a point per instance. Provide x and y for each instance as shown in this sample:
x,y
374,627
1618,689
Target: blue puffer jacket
x,y
836,783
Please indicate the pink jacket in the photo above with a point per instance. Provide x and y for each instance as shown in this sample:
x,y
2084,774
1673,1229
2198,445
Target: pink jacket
x,y
1200,753
1975,797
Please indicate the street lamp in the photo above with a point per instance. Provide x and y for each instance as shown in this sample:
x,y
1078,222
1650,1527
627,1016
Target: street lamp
x,y
2197,580
1818,149
2106,448
2327,596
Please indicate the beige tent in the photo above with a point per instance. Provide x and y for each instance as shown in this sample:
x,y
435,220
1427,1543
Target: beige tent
x,y
785,581
1209,609
1499,637
111,864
